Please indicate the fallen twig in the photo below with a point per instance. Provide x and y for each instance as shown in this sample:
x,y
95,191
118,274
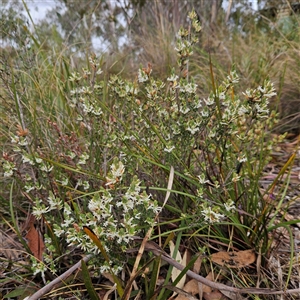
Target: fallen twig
x,y
157,251
47,288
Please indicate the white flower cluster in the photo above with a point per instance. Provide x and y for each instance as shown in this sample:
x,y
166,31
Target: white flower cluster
x,y
53,203
214,214
142,76
9,168
114,216
82,96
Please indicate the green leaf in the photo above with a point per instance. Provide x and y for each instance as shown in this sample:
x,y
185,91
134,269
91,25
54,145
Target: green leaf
x,y
88,282
20,293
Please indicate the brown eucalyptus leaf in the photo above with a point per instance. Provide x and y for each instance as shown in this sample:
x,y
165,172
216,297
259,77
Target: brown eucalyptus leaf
x,y
35,241
215,295
234,259
197,264
190,287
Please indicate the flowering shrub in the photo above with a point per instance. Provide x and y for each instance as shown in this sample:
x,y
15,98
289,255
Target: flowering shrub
x,y
218,146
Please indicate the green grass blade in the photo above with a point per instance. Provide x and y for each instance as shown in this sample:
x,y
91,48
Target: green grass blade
x,y
154,276
88,282
12,215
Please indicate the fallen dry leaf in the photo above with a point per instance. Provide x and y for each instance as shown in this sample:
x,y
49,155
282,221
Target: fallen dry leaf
x,y
197,264
35,241
194,287
215,295
180,292
206,288
191,287
235,259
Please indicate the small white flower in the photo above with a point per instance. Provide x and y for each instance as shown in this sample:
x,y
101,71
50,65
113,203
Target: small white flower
x,y
71,154
67,210
54,202
46,168
28,188
9,167
270,94
74,77
97,111
142,76
229,205
204,113
236,177
15,139
39,267
59,232
39,211
86,185
261,109
117,169
222,96
233,77
184,110
242,158
8,173
192,130
27,159
175,129
172,78
23,141
65,181
38,160
242,110
190,88
249,93
211,216
198,103
83,158
86,71
202,179
68,222
169,149
209,101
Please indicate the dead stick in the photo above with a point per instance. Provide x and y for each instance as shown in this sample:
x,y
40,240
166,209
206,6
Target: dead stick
x,y
47,288
155,249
